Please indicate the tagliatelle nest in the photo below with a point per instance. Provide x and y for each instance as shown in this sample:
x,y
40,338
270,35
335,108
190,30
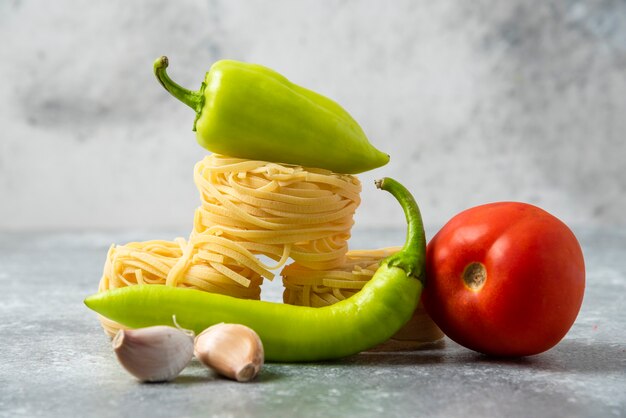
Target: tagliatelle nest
x,y
250,209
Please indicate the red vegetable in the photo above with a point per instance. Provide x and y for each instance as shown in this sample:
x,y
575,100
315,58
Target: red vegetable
x,y
504,279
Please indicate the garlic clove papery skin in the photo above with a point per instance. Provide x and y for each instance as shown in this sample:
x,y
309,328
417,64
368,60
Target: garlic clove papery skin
x,y
153,354
232,350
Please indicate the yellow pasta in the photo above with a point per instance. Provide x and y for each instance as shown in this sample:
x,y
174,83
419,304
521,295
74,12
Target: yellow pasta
x,y
254,208
248,209
308,287
279,211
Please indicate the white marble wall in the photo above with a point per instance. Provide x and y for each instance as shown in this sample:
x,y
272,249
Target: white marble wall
x,y
475,101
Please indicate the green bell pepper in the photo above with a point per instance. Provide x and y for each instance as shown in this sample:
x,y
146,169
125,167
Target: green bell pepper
x,y
250,111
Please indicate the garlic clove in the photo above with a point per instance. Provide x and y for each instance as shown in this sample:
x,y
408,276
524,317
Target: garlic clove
x,y
153,354
232,350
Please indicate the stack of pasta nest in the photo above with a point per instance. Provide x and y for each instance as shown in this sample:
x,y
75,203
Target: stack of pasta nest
x,y
253,211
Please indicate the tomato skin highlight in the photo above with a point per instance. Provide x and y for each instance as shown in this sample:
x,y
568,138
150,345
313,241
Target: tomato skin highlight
x,y
534,284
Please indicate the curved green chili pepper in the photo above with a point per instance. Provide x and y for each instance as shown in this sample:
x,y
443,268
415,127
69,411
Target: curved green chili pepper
x,y
292,333
250,111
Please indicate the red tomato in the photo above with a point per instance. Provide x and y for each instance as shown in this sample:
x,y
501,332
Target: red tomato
x,y
504,279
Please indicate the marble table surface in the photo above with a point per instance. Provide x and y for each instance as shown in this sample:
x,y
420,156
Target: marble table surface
x,y
56,361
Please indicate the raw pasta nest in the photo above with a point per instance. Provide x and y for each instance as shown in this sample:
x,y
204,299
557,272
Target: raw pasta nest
x,y
250,211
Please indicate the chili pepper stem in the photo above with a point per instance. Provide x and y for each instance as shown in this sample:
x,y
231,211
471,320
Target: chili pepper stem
x,y
411,257
193,99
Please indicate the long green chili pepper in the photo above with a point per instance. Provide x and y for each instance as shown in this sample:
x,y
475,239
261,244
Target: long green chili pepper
x,y
250,111
292,333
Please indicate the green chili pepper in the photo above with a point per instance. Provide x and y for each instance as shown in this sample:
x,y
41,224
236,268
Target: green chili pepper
x,y
250,111
292,333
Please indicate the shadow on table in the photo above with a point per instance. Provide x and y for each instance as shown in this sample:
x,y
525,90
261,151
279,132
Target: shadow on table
x,y
196,373
567,356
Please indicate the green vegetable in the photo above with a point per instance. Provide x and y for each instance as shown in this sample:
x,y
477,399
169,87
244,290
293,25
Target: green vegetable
x,y
250,111
292,333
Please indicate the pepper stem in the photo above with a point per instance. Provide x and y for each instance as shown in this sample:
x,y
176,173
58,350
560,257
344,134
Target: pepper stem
x,y
193,99
412,257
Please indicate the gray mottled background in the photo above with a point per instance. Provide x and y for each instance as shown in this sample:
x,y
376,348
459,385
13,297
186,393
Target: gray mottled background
x,y
475,101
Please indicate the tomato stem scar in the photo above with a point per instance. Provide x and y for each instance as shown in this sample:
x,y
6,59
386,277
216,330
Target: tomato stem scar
x,y
474,276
